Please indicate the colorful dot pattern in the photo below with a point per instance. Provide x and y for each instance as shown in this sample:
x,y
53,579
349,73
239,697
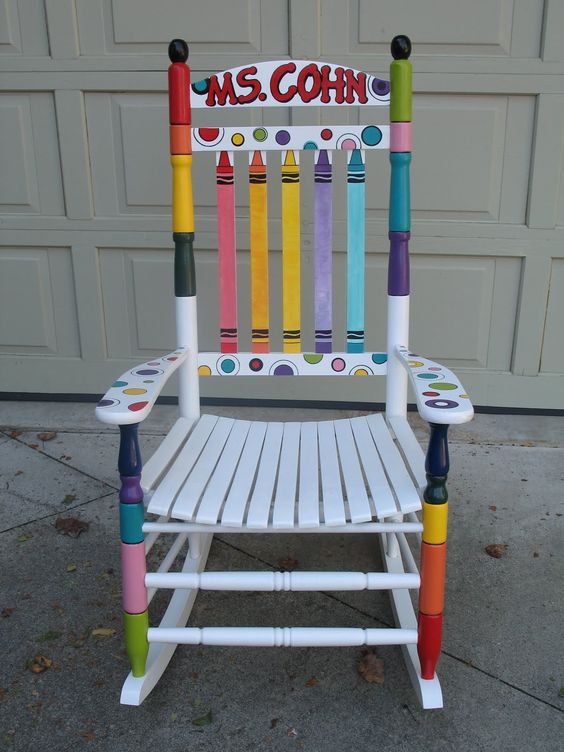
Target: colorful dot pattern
x,y
286,364
441,398
131,397
296,137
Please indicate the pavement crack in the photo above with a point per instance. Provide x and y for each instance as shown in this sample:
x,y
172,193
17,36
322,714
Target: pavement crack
x,y
53,514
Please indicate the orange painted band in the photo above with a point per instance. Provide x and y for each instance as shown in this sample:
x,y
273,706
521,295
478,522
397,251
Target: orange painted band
x,y
433,566
180,139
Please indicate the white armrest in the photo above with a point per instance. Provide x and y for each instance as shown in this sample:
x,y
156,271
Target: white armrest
x,y
440,395
131,398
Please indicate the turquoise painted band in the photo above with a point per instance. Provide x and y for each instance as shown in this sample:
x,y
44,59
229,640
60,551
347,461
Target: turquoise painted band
x,y
131,518
400,208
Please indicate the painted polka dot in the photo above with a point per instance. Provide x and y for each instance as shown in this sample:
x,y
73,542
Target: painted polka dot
x,y
431,394
427,376
446,386
441,404
119,383
415,363
108,402
464,396
136,390
379,87
204,371
435,368
228,365
256,365
262,96
379,358
200,87
338,364
147,372
348,143
208,137
237,139
148,381
283,370
310,145
172,358
361,371
326,134
208,134
282,138
154,363
136,406
313,358
371,135
260,134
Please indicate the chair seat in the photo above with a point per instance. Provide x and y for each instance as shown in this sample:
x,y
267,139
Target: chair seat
x,y
283,475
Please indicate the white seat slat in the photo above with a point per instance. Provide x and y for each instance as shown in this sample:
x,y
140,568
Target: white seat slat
x,y
377,482
285,498
331,484
164,496
411,448
214,495
405,490
159,461
261,500
191,491
359,505
308,489
236,502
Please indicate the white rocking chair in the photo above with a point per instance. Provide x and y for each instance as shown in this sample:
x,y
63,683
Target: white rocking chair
x,y
210,474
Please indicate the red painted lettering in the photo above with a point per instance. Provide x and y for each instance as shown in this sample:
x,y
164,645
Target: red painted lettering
x,y
275,80
337,85
311,71
248,83
355,86
218,94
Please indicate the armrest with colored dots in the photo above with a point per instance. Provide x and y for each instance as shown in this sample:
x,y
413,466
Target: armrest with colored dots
x,y
440,395
131,398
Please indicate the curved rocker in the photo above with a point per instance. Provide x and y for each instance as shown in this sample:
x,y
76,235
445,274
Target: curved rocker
x,y
136,689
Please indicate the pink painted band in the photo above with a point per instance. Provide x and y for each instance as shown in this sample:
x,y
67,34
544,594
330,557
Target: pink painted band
x,y
134,593
400,137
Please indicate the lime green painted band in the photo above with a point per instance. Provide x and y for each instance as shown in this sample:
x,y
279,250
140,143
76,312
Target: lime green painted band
x,y
135,628
400,96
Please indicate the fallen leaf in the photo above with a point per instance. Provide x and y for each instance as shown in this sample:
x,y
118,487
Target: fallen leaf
x,y
204,720
88,734
14,434
18,472
291,731
194,675
535,554
288,564
173,716
71,567
33,446
7,612
103,632
40,664
274,722
2,693
493,508
51,634
371,668
24,537
71,526
47,435
496,550
311,682
69,498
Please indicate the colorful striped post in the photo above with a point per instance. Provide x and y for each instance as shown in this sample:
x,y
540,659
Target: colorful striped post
x,y
258,220
131,515
323,253
356,176
399,223
226,252
433,552
291,252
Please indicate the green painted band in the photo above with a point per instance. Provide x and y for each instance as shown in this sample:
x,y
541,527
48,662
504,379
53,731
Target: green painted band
x,y
400,91
184,269
131,518
436,491
135,629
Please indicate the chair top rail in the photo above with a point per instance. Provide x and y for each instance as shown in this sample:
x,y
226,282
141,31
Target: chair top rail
x,y
291,138
294,83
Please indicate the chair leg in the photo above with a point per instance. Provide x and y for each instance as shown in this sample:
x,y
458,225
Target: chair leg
x,y
433,552
136,688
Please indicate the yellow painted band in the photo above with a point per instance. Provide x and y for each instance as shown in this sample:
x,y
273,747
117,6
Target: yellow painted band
x,y
182,202
435,523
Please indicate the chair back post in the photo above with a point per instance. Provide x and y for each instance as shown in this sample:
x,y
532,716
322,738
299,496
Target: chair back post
x,y
399,224
183,226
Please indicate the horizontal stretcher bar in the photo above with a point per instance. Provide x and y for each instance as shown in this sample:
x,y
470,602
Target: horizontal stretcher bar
x,y
364,527
287,637
278,581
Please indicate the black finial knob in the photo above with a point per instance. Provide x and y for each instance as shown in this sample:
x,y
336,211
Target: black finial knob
x,y
401,47
178,51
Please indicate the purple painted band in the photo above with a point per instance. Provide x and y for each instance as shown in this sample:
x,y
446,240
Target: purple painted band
x,y
131,491
398,263
323,347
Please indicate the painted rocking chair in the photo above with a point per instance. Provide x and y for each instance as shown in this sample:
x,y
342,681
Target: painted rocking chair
x,y
361,475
